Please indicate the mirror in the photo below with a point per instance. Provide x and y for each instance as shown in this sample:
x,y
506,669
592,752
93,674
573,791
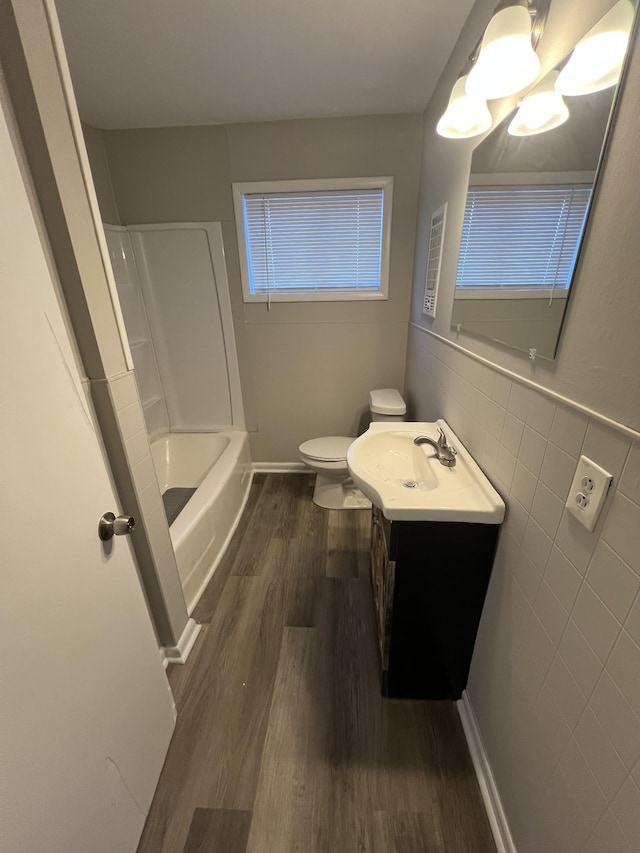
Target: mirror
x,y
527,205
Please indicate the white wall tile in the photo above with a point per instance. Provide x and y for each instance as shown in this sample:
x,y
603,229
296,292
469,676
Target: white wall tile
x,y
495,419
487,380
563,578
541,414
176,608
575,541
490,453
552,722
131,420
632,624
613,580
546,509
144,474
580,659
618,719
527,576
568,430
624,667
597,624
627,808
566,692
552,661
515,519
584,787
168,571
521,401
608,836
557,471
137,448
501,390
540,644
606,447
536,545
512,433
630,481
505,466
124,390
551,613
559,821
523,485
621,530
532,450
598,750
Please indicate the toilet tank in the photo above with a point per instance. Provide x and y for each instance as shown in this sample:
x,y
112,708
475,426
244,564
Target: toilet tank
x,y
386,404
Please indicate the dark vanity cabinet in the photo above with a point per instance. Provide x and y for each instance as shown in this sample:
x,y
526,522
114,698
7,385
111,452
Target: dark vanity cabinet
x,y
429,580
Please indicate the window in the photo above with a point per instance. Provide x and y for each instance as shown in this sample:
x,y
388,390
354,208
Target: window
x,y
520,240
314,240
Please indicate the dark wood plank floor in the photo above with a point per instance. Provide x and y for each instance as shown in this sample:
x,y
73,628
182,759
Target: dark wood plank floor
x,y
283,741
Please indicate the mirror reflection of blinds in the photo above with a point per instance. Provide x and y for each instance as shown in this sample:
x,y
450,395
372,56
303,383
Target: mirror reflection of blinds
x,y
327,241
521,237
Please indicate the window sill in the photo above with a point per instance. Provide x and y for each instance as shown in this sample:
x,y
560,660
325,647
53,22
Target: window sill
x,y
479,293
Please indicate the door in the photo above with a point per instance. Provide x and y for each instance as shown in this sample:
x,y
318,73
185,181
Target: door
x,y
85,710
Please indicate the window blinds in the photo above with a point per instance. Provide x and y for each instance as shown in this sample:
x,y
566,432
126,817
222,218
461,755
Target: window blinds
x,y
521,237
309,242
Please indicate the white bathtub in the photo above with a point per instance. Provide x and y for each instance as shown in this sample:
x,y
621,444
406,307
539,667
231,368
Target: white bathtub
x,y
219,466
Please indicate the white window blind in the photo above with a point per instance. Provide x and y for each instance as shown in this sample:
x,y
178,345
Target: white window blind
x,y
523,237
314,242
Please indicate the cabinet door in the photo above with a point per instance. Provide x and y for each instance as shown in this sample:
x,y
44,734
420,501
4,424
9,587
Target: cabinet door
x,y
383,579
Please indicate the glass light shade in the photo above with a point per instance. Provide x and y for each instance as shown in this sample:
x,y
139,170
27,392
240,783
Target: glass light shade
x,y
541,109
507,62
465,116
596,61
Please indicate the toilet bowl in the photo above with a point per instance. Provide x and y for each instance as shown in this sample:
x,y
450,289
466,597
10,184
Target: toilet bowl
x,y
327,456
334,488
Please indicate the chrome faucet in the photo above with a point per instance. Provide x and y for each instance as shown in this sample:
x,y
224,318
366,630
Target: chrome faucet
x,y
445,453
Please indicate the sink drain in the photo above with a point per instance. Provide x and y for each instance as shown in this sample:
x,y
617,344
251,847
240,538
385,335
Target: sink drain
x,y
410,484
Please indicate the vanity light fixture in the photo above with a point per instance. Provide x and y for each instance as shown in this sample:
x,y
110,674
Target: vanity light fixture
x,y
540,110
507,61
596,61
465,116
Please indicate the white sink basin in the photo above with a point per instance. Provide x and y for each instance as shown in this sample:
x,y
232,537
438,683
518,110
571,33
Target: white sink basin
x,y
408,483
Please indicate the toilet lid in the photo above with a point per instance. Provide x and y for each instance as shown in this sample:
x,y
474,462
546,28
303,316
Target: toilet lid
x,y
332,448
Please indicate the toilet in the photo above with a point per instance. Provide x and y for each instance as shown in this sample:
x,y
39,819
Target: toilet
x,y
327,456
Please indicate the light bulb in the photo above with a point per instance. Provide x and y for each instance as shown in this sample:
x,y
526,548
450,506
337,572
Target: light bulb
x,y
465,116
596,61
541,109
507,62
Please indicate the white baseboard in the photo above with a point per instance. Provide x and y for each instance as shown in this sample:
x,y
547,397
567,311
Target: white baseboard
x,y
490,794
281,468
180,653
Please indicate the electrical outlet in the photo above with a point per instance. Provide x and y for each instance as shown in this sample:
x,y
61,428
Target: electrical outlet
x,y
588,492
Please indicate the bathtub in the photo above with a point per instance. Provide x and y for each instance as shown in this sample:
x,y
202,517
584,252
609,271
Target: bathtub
x,y
218,465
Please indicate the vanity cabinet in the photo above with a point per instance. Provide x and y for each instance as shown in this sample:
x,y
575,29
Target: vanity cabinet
x,y
429,583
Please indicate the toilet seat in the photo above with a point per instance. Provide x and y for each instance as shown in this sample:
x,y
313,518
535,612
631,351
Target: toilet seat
x,y
331,448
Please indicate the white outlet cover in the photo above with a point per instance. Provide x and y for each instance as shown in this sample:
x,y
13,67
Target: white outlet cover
x,y
588,491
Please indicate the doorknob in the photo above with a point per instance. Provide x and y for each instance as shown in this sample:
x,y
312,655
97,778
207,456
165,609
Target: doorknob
x,y
110,526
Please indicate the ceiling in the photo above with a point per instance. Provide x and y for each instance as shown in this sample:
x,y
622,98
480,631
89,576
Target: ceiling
x,y
155,63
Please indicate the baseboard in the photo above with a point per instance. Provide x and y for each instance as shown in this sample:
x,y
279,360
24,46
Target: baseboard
x,y
180,653
281,468
490,794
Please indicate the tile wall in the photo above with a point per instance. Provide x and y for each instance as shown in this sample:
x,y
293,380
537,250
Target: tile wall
x,y
555,678
123,425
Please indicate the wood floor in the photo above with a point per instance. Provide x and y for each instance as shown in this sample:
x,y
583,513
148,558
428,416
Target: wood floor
x,y
283,741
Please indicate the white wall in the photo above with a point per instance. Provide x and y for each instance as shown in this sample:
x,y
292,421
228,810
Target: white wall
x,y
554,678
306,369
599,347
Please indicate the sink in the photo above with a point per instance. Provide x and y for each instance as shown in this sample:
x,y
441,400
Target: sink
x,y
408,483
